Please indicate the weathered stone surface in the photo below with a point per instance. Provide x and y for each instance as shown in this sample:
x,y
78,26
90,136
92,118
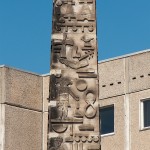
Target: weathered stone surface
x,y
23,129
73,106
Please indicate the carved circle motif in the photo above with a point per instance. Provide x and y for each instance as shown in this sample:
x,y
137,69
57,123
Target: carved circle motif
x,y
90,96
89,139
96,139
77,139
81,85
74,28
91,28
83,139
58,128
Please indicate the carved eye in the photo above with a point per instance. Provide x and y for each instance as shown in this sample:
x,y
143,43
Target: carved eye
x,y
58,28
62,20
58,2
74,28
91,28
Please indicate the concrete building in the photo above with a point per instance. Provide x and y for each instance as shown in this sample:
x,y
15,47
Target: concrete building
x,y
124,83
124,90
80,105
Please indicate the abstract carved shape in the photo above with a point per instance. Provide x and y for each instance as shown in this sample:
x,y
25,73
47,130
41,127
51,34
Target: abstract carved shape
x,y
87,41
78,114
62,110
90,111
96,139
55,143
58,2
85,14
81,85
74,64
64,87
86,127
67,121
90,96
59,128
85,1
53,89
86,73
83,139
69,139
77,138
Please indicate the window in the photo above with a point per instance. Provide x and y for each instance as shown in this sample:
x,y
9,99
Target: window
x,y
107,120
145,113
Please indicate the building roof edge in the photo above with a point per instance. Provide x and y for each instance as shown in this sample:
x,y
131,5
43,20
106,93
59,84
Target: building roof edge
x,y
123,56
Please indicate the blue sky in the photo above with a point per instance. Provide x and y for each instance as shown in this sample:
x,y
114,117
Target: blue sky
x,y
25,30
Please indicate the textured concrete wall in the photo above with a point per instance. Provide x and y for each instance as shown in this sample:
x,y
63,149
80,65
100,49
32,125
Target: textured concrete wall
x,y
21,119
23,89
139,72
2,84
134,74
23,129
111,78
2,126
46,81
139,139
115,141
124,75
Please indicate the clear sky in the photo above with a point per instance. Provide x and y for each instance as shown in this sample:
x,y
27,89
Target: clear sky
x,y
25,30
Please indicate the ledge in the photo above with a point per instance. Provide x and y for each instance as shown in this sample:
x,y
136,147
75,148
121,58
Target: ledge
x,y
109,134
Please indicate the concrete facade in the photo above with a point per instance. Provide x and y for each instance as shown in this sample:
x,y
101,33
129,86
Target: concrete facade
x,y
126,84
24,113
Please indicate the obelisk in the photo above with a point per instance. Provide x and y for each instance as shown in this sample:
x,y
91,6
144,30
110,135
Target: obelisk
x,y
73,106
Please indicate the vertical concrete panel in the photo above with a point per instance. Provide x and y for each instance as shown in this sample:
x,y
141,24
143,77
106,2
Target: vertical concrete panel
x,y
139,138
2,82
2,126
24,89
115,141
111,78
45,130
23,129
139,72
46,81
1,79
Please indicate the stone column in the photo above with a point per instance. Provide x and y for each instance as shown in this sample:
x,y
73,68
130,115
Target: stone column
x,y
73,106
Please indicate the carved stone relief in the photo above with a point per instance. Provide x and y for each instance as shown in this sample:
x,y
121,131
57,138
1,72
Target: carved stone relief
x,y
73,120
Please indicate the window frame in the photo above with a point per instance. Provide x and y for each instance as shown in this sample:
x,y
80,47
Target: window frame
x,y
142,114
111,133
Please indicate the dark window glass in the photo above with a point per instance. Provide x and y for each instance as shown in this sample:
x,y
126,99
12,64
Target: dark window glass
x,y
107,120
146,113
